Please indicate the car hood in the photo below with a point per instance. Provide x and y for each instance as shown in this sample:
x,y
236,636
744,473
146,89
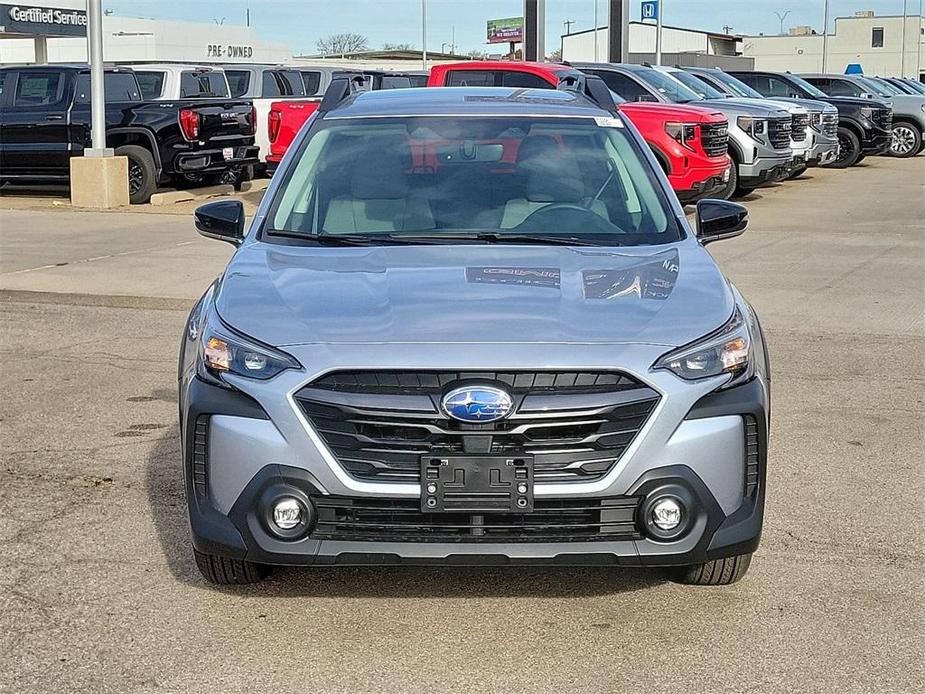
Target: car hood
x,y
745,107
284,295
813,105
907,105
679,112
856,102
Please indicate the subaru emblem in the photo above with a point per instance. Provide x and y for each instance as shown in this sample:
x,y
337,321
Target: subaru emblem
x,y
476,404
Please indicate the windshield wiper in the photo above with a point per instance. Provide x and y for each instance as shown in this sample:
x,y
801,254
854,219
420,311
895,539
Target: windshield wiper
x,y
347,239
493,237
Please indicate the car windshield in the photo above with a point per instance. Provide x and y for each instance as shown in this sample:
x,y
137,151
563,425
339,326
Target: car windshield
x,y
698,86
877,88
475,179
915,86
736,86
810,89
666,85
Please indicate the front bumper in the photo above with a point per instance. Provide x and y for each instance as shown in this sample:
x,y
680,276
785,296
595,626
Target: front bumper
x,y
703,188
705,457
765,171
212,160
876,142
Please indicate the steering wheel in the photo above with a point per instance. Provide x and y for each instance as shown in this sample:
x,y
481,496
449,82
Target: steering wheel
x,y
566,217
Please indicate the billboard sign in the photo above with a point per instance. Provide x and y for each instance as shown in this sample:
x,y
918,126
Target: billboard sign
x,y
509,30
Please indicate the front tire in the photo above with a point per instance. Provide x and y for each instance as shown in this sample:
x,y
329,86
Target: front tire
x,y
719,572
142,174
849,150
907,140
224,571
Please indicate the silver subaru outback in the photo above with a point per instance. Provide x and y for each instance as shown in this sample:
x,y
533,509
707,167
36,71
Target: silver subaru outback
x,y
473,326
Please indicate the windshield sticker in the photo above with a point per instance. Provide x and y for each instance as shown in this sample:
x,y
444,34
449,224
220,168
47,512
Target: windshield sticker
x,y
608,122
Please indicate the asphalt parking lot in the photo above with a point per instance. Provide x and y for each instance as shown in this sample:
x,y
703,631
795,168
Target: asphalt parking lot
x,y
100,592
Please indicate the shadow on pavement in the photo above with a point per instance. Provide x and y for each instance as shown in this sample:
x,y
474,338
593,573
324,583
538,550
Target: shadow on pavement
x,y
167,499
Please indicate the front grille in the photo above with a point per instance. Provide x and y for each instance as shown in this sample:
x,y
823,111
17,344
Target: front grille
x,y
816,119
751,455
575,425
884,118
201,455
830,125
799,125
779,130
401,520
715,138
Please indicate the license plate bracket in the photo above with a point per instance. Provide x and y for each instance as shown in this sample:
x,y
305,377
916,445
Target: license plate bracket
x,y
476,484
228,153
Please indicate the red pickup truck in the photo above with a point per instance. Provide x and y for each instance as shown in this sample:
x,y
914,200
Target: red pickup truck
x,y
688,141
284,122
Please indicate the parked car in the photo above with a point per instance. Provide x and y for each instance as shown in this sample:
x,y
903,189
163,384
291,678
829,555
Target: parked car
x,y
689,143
435,345
908,110
822,131
287,117
262,85
45,120
909,86
168,82
864,125
759,135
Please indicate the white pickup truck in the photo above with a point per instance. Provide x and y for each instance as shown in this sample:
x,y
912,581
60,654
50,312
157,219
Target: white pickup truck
x,y
262,85
169,82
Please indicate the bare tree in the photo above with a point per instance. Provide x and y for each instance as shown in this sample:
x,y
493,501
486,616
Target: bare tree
x,y
555,56
477,55
397,47
339,44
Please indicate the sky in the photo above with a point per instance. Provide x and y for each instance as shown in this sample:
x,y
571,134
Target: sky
x,y
300,23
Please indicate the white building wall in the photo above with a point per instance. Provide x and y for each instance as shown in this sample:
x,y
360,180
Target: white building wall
x,y
580,46
127,39
851,43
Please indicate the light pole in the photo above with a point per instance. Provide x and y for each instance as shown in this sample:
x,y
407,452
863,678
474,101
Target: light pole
x,y
902,60
782,17
424,34
97,95
658,33
825,36
595,31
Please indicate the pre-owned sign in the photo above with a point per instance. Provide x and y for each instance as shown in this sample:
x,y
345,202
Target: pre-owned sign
x,y
217,50
42,21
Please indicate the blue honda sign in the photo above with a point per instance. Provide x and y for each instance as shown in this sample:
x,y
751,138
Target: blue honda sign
x,y
650,9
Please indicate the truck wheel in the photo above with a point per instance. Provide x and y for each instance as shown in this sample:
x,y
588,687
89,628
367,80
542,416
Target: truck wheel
x,y
907,140
225,571
849,149
142,174
719,572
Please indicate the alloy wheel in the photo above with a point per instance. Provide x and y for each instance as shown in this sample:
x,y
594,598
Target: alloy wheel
x,y
903,140
136,177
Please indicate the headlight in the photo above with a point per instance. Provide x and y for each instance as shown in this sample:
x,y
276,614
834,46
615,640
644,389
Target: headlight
x,y
867,113
684,133
726,351
753,126
222,351
922,107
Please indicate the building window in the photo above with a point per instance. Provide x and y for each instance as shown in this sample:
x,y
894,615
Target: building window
x,y
876,37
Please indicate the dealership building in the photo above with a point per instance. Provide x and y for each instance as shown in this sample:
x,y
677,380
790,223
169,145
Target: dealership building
x,y
56,32
881,45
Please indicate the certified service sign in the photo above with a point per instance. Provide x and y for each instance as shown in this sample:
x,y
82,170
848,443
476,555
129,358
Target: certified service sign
x,y
42,21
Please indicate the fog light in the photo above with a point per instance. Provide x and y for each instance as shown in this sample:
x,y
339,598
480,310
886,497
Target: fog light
x,y
666,514
287,513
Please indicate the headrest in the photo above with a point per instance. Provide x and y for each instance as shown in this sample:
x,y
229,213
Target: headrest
x,y
380,173
552,173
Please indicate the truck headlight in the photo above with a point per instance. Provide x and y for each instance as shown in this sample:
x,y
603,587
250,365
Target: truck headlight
x,y
867,113
684,133
222,350
725,351
754,127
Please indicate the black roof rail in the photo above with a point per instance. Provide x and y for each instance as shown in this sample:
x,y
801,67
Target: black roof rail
x,y
590,86
346,83
646,63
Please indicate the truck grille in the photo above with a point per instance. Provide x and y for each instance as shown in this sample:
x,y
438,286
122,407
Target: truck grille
x,y
401,520
884,118
830,125
779,130
799,125
379,424
715,138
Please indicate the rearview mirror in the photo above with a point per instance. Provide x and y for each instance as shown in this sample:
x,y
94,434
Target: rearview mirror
x,y
720,219
222,220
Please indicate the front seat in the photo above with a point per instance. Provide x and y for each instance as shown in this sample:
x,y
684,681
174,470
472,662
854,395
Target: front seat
x,y
380,200
550,176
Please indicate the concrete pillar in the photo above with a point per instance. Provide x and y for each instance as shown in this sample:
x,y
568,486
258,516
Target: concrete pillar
x,y
618,30
41,50
535,30
99,182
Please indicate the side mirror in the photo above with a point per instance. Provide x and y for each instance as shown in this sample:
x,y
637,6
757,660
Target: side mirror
x,y
222,220
720,219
